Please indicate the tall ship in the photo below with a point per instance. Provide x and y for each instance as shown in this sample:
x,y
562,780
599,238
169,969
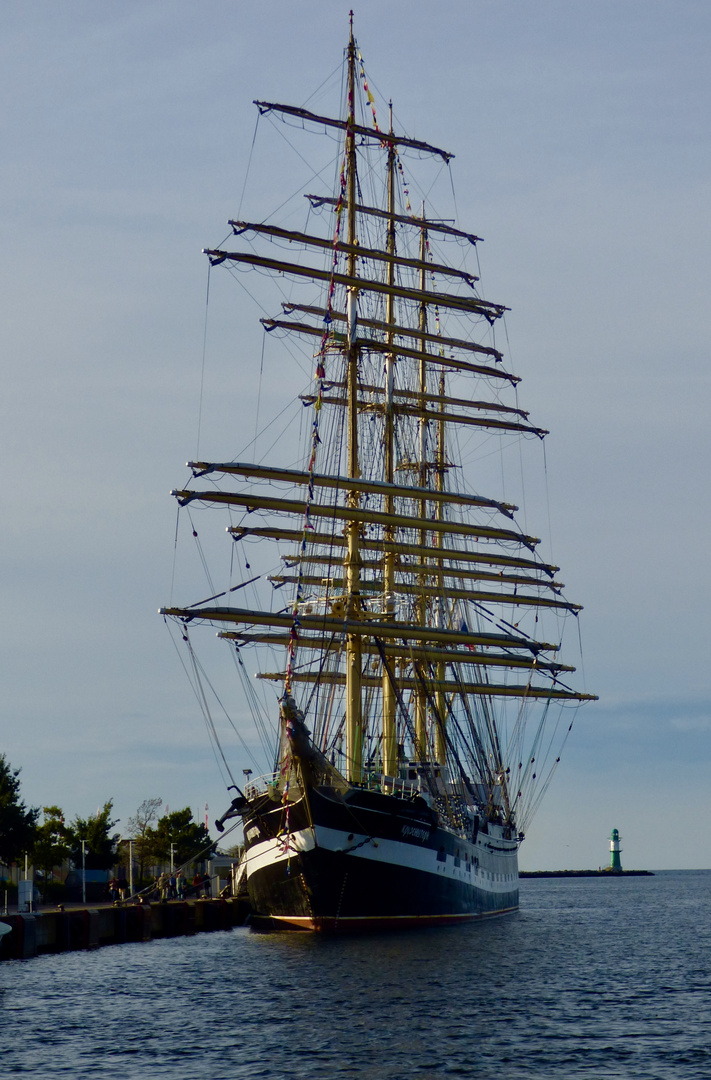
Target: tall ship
x,y
405,623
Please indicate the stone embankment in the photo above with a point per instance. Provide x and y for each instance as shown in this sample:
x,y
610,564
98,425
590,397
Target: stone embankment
x,y
57,930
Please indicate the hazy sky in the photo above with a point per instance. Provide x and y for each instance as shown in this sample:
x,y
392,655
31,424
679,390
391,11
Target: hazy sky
x,y
581,134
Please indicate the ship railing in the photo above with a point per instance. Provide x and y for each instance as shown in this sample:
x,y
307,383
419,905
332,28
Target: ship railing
x,y
391,785
373,781
261,785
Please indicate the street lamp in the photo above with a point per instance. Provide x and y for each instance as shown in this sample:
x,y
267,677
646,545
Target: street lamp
x,y
83,871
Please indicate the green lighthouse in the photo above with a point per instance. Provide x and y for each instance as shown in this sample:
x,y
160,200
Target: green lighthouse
x,y
615,864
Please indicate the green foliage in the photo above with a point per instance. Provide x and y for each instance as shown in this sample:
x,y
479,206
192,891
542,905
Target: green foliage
x,y
101,846
190,840
235,851
18,825
9,887
52,844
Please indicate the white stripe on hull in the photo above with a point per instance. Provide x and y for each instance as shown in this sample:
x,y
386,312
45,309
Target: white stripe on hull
x,y
495,876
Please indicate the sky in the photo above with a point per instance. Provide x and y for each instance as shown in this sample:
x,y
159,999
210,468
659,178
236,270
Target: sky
x,y
583,157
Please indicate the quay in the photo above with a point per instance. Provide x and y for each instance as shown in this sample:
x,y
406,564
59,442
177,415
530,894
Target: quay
x,y
76,927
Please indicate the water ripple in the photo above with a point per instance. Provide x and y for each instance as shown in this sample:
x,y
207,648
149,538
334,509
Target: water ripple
x,y
596,979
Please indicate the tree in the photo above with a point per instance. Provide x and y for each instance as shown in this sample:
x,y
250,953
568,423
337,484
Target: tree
x,y
189,840
52,845
18,824
101,847
235,851
139,829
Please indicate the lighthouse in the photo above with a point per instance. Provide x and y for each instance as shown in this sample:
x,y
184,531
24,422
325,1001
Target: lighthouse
x,y
615,864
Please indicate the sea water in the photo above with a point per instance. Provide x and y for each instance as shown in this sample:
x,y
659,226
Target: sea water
x,y
594,977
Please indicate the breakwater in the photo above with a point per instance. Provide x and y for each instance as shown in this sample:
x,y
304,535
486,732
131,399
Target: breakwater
x,y
92,927
606,873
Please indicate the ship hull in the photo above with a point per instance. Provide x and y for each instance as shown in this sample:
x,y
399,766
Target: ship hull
x,y
373,862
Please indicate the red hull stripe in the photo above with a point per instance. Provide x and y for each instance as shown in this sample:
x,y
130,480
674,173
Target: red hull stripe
x,y
380,922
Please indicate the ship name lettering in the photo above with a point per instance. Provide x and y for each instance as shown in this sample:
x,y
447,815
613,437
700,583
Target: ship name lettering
x,y
415,832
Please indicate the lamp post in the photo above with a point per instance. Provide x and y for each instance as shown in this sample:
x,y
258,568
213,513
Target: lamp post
x,y
83,871
172,855
28,888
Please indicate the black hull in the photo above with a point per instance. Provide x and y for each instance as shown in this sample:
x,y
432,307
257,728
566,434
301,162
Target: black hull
x,y
372,862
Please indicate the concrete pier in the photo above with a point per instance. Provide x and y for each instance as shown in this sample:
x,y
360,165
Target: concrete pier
x,y
55,930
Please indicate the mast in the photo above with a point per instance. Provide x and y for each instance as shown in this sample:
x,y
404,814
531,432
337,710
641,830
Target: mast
x,y
441,704
354,715
389,751
422,747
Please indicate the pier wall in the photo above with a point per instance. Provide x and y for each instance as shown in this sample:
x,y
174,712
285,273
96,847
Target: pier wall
x,y
91,927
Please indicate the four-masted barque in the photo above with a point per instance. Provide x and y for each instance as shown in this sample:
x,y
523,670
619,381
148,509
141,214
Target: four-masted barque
x,y
421,702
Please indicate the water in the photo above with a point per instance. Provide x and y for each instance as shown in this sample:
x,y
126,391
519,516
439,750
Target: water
x,y
593,978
